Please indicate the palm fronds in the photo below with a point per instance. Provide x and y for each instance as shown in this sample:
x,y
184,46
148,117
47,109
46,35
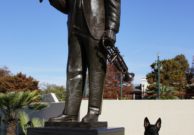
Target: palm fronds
x,y
25,122
12,102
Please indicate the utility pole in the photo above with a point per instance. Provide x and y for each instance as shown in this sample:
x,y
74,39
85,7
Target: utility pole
x,y
158,82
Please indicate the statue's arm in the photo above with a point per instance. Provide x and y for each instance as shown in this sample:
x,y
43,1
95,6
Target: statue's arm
x,y
112,21
112,14
60,5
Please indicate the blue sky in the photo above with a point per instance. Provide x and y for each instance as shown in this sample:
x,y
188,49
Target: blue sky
x,y
33,36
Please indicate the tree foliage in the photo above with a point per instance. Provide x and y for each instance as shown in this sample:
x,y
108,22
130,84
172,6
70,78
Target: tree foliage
x,y
112,87
25,122
11,104
172,74
166,92
190,85
18,82
4,71
58,90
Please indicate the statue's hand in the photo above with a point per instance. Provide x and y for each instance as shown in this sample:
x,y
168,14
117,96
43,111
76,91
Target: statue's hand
x,y
109,38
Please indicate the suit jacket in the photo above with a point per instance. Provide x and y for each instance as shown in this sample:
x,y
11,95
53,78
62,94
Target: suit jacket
x,y
100,15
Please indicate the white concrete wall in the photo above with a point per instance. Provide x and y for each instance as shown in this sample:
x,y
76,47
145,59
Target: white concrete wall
x,y
177,115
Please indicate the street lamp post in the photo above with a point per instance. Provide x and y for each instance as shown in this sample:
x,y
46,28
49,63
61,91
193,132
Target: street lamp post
x,y
158,66
121,86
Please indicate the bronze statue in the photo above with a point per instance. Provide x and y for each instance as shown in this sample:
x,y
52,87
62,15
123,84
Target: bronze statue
x,y
89,23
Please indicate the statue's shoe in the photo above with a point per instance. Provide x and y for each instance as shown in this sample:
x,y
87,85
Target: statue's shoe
x,y
90,118
64,118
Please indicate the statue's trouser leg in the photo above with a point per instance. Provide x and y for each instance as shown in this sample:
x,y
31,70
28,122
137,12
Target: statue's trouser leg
x,y
76,74
84,52
97,71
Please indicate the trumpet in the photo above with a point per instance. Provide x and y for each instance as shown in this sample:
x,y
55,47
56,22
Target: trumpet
x,y
114,57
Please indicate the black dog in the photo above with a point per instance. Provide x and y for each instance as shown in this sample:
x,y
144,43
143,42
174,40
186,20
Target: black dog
x,y
152,129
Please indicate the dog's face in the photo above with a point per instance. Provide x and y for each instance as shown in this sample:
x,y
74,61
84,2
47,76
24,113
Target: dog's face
x,y
152,129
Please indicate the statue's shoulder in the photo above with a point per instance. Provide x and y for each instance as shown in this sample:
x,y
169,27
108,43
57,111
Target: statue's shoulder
x,y
60,5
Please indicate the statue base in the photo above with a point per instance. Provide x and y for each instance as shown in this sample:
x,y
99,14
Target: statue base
x,y
77,124
75,128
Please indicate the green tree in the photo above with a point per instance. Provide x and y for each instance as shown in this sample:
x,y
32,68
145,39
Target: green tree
x,y
167,92
58,90
151,92
190,83
172,74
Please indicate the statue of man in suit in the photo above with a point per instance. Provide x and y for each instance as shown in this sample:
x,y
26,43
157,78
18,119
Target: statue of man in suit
x,y
89,23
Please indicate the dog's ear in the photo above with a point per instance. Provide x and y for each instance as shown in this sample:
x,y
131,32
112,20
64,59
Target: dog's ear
x,y
146,122
158,123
